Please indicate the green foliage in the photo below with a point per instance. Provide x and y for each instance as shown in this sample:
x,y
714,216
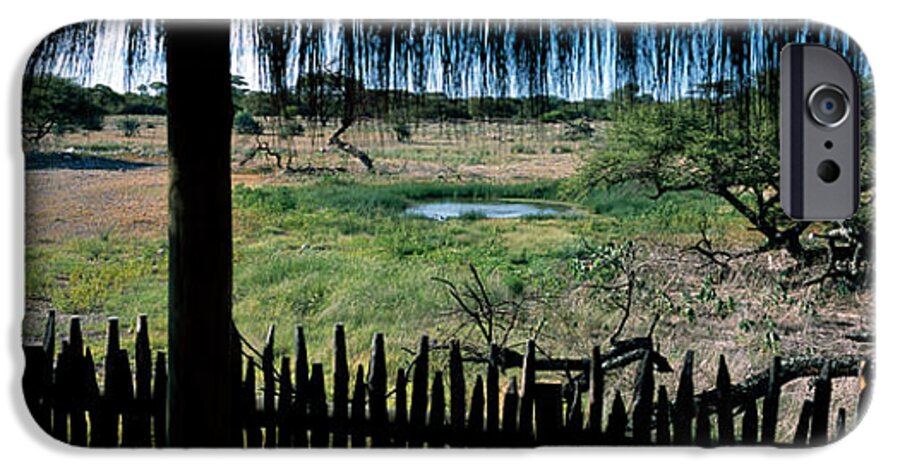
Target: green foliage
x,y
723,147
403,132
130,127
51,104
245,123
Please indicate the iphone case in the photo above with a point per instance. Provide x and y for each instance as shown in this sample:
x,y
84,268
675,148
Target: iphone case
x,y
433,233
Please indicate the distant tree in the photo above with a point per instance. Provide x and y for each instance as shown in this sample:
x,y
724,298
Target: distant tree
x,y
130,127
245,123
56,105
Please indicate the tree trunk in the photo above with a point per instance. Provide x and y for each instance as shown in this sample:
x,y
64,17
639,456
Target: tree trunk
x,y
199,134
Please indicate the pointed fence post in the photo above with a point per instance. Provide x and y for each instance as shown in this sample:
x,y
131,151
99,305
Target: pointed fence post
x,y
341,389
770,403
301,397
318,409
143,372
683,415
457,395
285,404
575,417
801,434
358,426
474,435
377,390
510,433
268,367
526,395
617,423
160,394
595,401
750,423
723,407
419,406
821,407
400,427
436,418
492,398
663,432
643,401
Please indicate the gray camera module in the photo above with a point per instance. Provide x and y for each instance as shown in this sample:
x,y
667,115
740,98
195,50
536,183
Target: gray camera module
x,y
819,134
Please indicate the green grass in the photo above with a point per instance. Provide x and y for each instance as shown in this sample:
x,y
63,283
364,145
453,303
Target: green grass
x,y
336,251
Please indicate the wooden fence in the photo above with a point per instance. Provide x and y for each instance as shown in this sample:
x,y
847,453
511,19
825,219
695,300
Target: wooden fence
x,y
66,400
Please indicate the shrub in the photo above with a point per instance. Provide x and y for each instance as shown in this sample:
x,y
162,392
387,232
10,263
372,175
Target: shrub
x,y
129,127
403,132
245,123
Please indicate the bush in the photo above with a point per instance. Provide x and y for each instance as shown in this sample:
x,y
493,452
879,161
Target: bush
x,y
129,127
291,129
403,132
245,123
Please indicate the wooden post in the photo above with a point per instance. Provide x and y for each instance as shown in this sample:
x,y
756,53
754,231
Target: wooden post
x,y
340,397
643,401
492,398
200,247
285,404
683,416
474,435
548,413
575,417
526,395
358,410
801,434
301,398
419,406
750,424
239,412
840,428
160,390
37,380
457,395
510,432
143,372
251,415
723,408
703,437
77,419
436,417
595,398
318,408
663,433
93,393
268,367
770,403
124,396
821,407
401,423
617,423
377,390
60,394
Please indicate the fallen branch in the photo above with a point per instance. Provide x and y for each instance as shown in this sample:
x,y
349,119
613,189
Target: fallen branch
x,y
755,386
345,146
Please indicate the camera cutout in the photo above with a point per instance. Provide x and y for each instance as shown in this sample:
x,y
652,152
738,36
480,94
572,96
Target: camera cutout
x,y
828,171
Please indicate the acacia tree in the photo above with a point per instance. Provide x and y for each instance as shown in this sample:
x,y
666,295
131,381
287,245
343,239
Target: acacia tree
x,y
57,105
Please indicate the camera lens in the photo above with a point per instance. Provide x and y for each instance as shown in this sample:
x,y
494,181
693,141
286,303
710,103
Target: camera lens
x,y
828,105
